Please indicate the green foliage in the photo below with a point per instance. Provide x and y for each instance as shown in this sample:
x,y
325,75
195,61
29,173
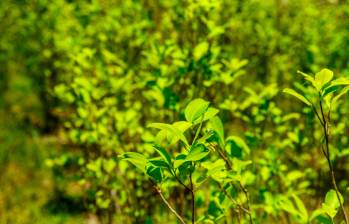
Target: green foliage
x,y
90,77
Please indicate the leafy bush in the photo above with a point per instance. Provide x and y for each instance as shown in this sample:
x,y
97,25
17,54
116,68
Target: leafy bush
x,y
227,145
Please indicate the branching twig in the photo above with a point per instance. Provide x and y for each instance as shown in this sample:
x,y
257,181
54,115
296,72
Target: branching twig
x,y
326,130
169,206
192,199
233,200
247,200
229,166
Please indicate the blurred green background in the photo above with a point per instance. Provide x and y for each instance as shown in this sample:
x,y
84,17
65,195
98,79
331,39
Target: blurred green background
x,y
79,80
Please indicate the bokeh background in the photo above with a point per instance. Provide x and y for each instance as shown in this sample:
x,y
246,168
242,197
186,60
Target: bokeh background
x,y
80,80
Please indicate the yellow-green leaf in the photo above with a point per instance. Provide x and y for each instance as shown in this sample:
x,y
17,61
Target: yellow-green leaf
x,y
297,95
323,77
200,50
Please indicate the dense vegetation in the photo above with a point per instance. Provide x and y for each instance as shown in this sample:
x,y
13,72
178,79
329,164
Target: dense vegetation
x,y
197,111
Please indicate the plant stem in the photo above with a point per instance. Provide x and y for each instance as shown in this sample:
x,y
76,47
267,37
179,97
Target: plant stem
x,y
192,199
229,166
247,200
326,131
232,199
169,206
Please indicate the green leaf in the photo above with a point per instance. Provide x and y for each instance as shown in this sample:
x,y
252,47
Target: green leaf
x,y
238,143
200,50
301,208
323,77
154,173
331,204
156,162
102,203
307,77
198,152
240,165
210,112
178,162
287,205
316,214
182,125
137,159
170,129
109,165
297,95
164,154
329,90
340,94
195,109
216,170
180,159
218,128
340,82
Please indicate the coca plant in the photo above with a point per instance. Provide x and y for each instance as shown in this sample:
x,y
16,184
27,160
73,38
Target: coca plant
x,y
322,96
190,154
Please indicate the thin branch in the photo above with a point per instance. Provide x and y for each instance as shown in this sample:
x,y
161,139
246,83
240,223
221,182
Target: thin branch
x,y
248,200
192,199
328,157
229,166
169,206
317,115
232,199
181,182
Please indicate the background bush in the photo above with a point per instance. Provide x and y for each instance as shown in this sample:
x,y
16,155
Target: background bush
x,y
81,80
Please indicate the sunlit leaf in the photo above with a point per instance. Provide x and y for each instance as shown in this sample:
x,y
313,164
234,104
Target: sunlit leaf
x,y
198,152
171,129
137,159
308,77
323,77
200,50
164,154
195,109
238,143
340,94
297,95
332,204
210,112
217,127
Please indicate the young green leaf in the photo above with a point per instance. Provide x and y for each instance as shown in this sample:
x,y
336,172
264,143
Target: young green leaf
x,y
331,204
179,160
322,78
297,95
340,94
137,159
211,112
170,129
182,125
195,109
308,77
164,154
200,50
154,173
340,82
238,143
218,128
329,90
157,162
198,152
109,165
287,205
301,208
